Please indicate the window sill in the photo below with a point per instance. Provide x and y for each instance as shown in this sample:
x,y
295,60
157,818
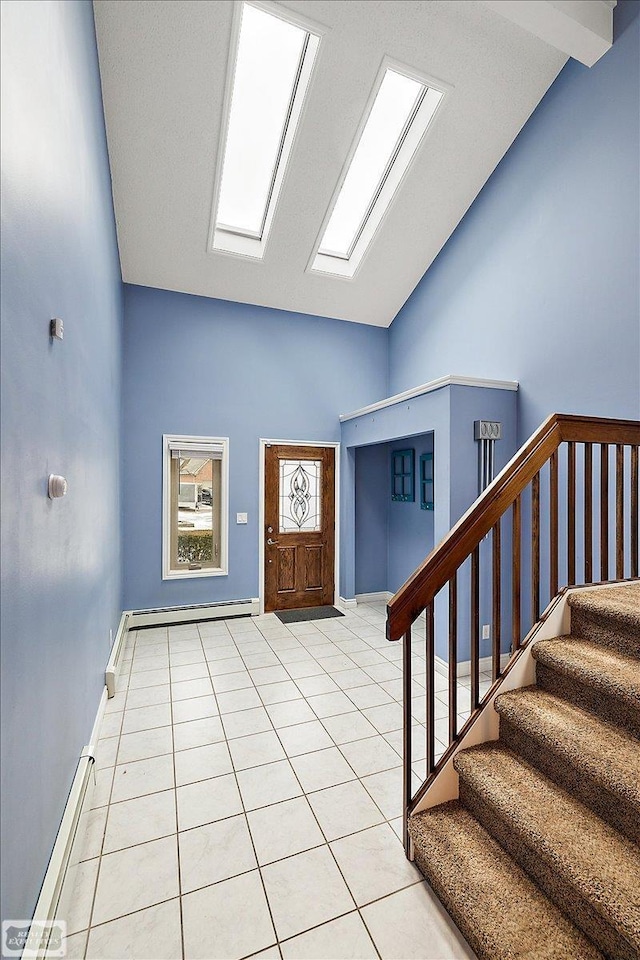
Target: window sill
x,y
191,574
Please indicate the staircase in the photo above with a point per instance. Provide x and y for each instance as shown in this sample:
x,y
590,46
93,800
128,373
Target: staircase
x,y
539,857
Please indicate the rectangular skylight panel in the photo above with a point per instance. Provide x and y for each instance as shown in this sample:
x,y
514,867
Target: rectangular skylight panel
x,y
268,65
393,109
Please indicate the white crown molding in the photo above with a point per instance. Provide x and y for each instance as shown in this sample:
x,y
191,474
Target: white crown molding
x,y
448,381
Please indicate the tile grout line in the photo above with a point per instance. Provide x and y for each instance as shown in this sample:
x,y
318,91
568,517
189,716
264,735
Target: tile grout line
x,y
277,943
328,845
108,805
313,813
175,797
307,697
258,637
246,820
334,744
266,806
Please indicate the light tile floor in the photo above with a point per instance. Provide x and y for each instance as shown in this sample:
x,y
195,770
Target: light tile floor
x,y
248,799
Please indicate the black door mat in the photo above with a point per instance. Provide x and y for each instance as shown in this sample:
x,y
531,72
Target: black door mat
x,y
307,613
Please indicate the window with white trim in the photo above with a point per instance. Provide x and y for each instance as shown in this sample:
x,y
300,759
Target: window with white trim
x,y
273,63
195,506
401,109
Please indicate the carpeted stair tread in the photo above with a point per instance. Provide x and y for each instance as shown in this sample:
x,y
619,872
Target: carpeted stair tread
x,y
502,914
608,615
620,602
605,754
580,861
597,665
591,676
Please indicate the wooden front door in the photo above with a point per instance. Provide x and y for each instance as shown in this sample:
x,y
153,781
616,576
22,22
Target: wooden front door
x,y
299,532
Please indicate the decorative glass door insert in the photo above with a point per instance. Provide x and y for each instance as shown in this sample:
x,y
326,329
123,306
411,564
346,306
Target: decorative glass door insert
x,y
300,496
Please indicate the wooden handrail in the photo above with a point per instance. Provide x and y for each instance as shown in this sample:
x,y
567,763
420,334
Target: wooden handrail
x,y
543,533
443,562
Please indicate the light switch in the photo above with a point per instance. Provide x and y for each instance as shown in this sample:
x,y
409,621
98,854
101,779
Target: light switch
x,y
241,518
486,631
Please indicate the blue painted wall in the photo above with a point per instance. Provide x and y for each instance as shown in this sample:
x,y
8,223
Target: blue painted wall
x,y
540,282
392,538
61,584
206,367
372,518
411,530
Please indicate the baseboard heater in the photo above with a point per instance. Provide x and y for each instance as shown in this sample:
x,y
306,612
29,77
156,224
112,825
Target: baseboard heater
x,y
49,900
162,616
198,611
117,649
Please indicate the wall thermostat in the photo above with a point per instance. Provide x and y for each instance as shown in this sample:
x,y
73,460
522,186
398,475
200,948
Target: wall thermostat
x,y
57,486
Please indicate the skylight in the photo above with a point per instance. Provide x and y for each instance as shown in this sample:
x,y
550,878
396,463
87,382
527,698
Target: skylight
x,y
399,116
273,65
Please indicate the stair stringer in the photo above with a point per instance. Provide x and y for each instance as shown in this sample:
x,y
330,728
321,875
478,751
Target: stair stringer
x,y
519,672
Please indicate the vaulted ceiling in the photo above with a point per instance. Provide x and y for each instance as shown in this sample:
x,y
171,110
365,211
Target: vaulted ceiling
x,y
164,70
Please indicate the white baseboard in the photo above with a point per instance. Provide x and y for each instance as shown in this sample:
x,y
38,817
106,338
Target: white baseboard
x,y
381,596
200,611
345,604
464,666
115,659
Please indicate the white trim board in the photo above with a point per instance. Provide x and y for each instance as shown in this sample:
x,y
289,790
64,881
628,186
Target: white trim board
x,y
346,604
381,596
449,381
263,441
464,666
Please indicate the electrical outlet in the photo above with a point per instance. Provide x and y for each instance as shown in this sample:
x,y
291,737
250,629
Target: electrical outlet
x,y
486,631
241,517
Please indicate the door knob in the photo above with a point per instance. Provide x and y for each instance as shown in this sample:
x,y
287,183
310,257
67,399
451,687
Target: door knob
x,y
270,542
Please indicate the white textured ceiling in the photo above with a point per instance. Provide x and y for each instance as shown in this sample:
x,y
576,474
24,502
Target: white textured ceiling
x,y
164,64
